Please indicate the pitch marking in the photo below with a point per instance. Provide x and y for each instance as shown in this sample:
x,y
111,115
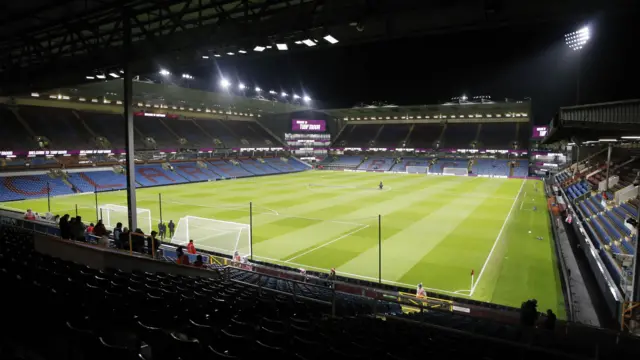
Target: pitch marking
x,y
497,239
328,243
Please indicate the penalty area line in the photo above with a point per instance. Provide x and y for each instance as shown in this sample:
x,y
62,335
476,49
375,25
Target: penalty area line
x,y
327,243
506,220
276,261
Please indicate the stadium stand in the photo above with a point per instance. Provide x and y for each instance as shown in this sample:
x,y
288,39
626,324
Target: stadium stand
x,y
253,133
31,187
229,170
358,135
218,131
109,126
97,180
61,126
193,172
188,130
425,135
286,165
155,128
342,162
393,135
377,163
156,174
13,135
460,135
497,135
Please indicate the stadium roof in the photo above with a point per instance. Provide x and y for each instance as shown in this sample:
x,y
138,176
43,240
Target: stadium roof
x,y
610,120
58,42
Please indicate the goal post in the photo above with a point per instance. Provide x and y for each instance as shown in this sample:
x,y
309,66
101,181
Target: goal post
x,y
455,171
412,169
112,214
224,237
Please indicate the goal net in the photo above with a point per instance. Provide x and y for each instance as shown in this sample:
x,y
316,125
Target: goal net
x,y
111,215
455,171
417,169
224,237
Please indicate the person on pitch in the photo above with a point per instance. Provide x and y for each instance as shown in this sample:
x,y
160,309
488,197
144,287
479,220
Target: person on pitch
x,y
380,186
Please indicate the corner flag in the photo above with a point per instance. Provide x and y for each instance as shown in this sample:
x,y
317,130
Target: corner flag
x,y
472,272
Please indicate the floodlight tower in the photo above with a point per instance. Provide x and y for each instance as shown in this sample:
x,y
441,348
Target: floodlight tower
x,y
576,41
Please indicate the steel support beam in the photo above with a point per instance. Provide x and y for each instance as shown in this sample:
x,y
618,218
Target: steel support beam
x,y
129,131
608,166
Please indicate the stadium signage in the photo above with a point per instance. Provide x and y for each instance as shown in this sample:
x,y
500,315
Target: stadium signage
x,y
259,149
47,152
308,125
540,132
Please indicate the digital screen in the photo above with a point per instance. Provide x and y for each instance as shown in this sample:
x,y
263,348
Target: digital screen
x,y
308,125
540,132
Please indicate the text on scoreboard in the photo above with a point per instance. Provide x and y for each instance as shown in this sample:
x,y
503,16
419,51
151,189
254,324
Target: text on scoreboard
x,y
309,125
540,132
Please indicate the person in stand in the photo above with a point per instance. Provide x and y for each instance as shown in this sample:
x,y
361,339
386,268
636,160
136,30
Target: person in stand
x,y
153,243
65,231
191,248
550,321
421,292
137,240
29,215
172,228
116,235
77,229
198,262
90,228
101,232
124,239
182,259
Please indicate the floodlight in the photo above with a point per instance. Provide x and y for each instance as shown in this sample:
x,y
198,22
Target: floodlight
x,y
225,83
282,47
306,98
242,51
578,39
331,39
298,42
230,53
164,72
630,137
205,57
284,94
296,96
90,77
187,76
217,55
100,76
241,86
258,89
259,48
607,140
308,42
114,75
272,92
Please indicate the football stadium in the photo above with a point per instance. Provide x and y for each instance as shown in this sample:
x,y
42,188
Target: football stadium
x,y
153,215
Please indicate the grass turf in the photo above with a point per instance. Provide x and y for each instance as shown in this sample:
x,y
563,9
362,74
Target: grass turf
x,y
434,229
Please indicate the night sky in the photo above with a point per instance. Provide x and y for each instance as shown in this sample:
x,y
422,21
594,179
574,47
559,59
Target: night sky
x,y
512,62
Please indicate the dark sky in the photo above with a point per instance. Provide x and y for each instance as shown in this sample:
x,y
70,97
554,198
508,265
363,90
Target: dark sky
x,y
513,62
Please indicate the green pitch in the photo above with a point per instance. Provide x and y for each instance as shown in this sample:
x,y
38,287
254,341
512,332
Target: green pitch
x,y
434,230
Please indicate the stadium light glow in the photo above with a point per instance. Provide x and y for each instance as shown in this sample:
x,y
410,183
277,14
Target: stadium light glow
x,y
607,140
230,53
241,86
258,89
272,92
114,75
331,39
242,51
309,42
164,72
296,96
224,83
578,39
259,48
205,57
90,77
282,47
217,55
306,98
101,76
630,137
187,76
284,94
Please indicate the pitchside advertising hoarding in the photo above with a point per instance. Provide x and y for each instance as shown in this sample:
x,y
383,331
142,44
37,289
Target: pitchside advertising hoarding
x,y
308,125
540,132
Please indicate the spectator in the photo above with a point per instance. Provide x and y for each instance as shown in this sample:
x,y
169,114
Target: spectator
x,y
191,248
181,257
29,215
124,239
153,243
65,231
101,232
550,321
420,292
198,262
137,241
172,228
77,229
529,313
90,228
116,235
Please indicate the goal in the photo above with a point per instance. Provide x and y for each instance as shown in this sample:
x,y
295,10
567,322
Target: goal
x,y
417,169
455,171
112,214
224,237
